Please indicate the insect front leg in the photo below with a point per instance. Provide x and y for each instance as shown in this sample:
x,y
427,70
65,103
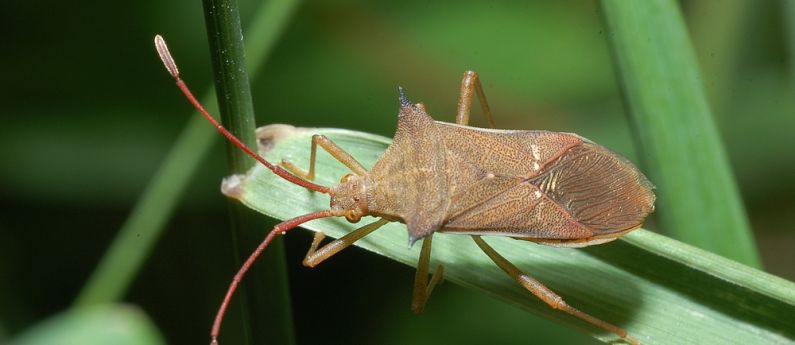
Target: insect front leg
x,y
423,289
545,294
333,149
315,256
470,85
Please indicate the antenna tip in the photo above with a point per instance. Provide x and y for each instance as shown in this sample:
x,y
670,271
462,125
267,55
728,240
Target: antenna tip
x,y
165,56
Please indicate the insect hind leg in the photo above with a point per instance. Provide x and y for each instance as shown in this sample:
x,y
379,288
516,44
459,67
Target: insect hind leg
x,y
545,294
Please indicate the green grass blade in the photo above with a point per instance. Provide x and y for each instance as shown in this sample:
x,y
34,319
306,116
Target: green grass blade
x,y
698,199
661,290
104,324
233,91
264,295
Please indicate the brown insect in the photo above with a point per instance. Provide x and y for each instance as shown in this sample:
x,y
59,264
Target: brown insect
x,y
552,188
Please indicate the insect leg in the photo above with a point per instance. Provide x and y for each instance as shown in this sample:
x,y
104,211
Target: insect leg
x,y
333,149
315,256
545,294
423,289
469,86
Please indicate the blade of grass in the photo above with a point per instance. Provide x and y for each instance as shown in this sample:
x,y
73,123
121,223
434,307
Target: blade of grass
x,y
101,324
698,199
233,92
661,290
264,295
145,224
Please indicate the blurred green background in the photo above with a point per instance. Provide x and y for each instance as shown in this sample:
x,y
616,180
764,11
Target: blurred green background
x,y
90,114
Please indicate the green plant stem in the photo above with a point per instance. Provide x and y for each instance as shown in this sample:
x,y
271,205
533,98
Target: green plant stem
x,y
698,199
233,91
145,225
264,294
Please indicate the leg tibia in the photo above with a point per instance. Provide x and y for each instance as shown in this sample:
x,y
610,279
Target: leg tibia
x,y
545,294
315,256
422,288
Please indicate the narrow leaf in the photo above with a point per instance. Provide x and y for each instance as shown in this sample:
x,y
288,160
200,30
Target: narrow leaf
x,y
661,290
104,324
698,199
236,106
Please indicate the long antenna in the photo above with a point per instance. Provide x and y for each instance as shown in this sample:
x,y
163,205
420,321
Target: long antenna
x,y
171,66
279,229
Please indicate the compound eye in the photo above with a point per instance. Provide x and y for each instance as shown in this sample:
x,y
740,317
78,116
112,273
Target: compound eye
x,y
346,178
353,217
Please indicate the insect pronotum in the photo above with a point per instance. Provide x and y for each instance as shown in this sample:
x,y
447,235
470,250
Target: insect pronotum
x,y
552,188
